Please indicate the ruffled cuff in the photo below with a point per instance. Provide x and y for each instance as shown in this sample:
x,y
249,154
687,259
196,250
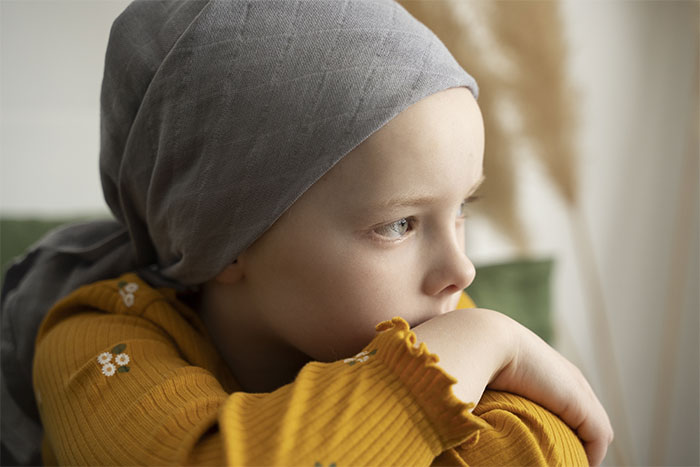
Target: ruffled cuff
x,y
429,384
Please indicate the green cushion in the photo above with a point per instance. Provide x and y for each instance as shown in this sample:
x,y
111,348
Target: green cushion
x,y
16,235
519,289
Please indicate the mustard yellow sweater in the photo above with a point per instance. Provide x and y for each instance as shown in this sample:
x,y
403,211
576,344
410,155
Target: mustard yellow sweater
x,y
126,374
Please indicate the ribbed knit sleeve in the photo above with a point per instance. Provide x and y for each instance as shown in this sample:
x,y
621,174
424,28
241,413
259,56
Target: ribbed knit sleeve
x,y
127,375
135,385
389,405
521,433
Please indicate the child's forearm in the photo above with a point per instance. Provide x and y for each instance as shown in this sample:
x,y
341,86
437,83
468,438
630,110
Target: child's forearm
x,y
473,346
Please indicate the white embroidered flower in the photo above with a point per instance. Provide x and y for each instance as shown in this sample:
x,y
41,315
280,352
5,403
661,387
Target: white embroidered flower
x,y
121,359
126,290
104,357
127,297
108,369
360,357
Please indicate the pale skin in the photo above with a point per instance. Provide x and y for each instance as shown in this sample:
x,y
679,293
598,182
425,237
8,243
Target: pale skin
x,y
381,235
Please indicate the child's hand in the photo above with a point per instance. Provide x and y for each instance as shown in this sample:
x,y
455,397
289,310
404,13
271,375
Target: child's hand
x,y
541,374
485,348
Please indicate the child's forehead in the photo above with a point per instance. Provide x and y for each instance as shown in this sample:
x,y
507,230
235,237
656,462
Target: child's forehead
x,y
448,121
432,149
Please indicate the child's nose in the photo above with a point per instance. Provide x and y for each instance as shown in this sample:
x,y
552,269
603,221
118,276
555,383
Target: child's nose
x,y
451,270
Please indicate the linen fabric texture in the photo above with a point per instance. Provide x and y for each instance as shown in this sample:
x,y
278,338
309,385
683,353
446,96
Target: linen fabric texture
x,y
215,117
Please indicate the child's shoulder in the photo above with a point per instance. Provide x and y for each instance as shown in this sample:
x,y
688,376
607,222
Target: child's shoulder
x,y
127,309
126,294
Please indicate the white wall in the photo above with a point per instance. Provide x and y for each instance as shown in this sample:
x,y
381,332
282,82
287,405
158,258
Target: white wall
x,y
635,65
52,59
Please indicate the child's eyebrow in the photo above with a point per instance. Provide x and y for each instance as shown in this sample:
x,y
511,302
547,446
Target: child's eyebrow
x,y
402,201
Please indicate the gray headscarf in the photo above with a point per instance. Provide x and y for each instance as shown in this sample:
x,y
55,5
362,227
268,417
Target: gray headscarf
x,y
216,115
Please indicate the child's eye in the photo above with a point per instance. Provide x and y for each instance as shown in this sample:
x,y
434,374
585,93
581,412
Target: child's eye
x,y
396,229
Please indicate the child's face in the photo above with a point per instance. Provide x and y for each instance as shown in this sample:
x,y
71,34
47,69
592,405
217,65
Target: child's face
x,y
345,257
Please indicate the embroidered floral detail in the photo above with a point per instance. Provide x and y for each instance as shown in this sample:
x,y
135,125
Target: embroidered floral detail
x,y
360,357
104,357
108,369
121,359
126,290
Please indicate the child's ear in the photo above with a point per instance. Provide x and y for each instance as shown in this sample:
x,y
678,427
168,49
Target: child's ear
x,y
231,273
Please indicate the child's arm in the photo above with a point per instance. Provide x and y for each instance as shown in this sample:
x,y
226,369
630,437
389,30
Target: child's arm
x,y
512,358
168,403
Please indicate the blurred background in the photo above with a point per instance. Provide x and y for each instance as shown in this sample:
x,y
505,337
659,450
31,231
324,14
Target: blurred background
x,y
588,227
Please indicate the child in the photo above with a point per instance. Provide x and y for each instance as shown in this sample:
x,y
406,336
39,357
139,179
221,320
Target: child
x,y
288,176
